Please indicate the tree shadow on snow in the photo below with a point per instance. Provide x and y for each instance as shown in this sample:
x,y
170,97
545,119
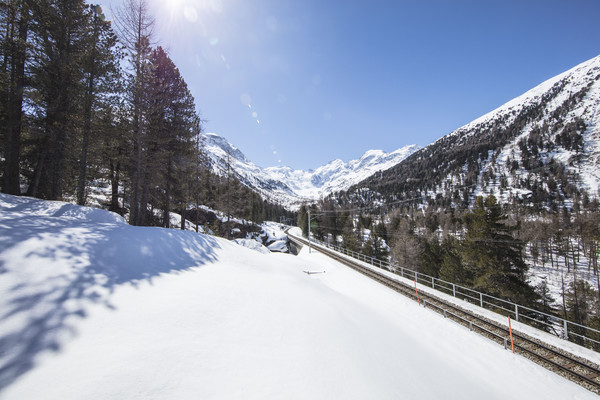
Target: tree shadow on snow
x,y
98,257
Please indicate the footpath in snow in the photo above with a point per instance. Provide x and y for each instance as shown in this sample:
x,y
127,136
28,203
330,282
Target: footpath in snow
x,y
92,308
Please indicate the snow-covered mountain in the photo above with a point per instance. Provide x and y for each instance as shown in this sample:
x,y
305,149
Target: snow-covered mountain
x,y
291,187
540,148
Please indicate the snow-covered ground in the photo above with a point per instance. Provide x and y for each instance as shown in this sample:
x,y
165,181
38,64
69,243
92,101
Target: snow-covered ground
x,y
91,308
517,326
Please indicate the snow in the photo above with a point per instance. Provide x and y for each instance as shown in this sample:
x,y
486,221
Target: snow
x,y
508,184
578,77
279,246
252,244
517,326
274,231
292,187
92,308
569,82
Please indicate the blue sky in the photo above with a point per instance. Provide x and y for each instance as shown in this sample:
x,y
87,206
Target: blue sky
x,y
302,82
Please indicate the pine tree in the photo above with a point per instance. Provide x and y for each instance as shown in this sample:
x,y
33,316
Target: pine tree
x,y
15,24
452,268
114,126
101,84
302,220
582,307
172,131
349,236
493,255
59,32
430,259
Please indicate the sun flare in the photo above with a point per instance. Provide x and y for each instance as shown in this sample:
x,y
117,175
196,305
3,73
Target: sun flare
x,y
173,4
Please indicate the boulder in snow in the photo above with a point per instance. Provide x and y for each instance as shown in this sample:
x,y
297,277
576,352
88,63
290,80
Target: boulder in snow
x,y
279,246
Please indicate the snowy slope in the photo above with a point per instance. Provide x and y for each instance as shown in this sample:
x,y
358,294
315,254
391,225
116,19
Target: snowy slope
x,y
338,175
541,148
515,149
574,79
556,92
291,187
91,308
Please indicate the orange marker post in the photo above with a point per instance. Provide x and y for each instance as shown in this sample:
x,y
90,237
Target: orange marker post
x,y
417,292
511,339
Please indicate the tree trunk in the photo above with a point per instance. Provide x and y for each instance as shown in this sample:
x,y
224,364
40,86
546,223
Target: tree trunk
x,y
34,186
87,120
134,218
114,181
11,181
87,125
166,211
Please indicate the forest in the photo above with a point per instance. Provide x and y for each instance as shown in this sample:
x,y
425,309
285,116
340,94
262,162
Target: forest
x,y
489,247
88,103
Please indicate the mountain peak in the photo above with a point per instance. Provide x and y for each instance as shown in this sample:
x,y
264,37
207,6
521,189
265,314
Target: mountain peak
x,y
541,148
292,187
217,142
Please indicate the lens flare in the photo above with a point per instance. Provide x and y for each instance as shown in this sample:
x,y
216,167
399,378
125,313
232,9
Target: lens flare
x,y
190,13
246,99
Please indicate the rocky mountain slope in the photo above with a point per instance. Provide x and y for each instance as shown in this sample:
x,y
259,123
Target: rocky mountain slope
x,y
292,187
541,148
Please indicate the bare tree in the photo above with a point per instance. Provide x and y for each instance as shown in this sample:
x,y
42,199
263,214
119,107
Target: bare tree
x,y
406,247
135,27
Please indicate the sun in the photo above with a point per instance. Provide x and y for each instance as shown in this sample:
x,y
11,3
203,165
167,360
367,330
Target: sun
x,y
171,10
173,4
188,9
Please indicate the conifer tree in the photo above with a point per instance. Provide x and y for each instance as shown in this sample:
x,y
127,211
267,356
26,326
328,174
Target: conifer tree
x,y
59,34
406,250
452,268
302,220
171,134
493,255
100,86
15,19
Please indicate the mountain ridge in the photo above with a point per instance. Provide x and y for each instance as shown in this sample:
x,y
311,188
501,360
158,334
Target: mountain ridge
x,y
542,147
292,187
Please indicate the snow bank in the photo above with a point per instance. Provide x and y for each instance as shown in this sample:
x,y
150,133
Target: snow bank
x,y
252,244
108,311
280,246
17,207
274,231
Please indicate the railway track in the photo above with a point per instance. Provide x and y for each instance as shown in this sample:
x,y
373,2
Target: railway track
x,y
581,371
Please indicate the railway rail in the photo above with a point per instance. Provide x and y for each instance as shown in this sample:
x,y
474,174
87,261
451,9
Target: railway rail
x,y
579,370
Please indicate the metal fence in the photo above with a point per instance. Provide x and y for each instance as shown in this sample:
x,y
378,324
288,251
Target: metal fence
x,y
560,327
